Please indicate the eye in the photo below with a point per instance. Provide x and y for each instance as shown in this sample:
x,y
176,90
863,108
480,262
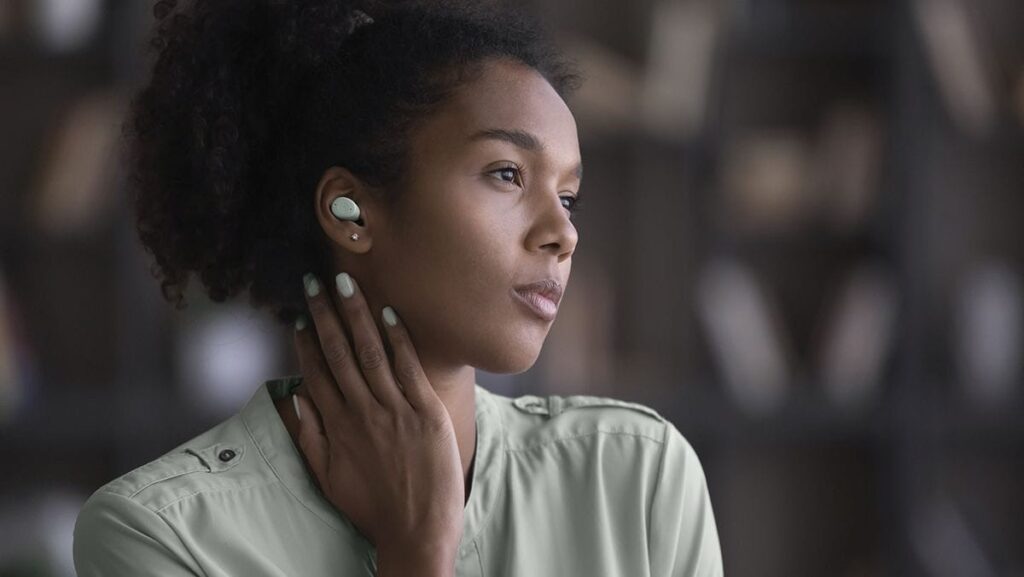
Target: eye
x,y
575,204
512,169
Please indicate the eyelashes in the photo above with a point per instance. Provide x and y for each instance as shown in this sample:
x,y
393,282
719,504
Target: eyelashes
x,y
575,202
574,207
514,169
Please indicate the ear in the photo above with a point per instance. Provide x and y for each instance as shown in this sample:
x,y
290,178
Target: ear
x,y
338,181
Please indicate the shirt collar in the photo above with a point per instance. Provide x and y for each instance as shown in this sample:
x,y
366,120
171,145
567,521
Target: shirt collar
x,y
275,445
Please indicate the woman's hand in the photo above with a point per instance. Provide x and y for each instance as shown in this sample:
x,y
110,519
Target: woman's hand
x,y
382,449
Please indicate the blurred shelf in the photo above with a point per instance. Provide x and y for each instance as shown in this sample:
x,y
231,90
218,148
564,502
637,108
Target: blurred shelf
x,y
820,29
959,425
80,420
802,419
809,418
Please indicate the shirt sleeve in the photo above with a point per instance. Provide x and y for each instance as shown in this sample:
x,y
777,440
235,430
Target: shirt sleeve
x,y
115,536
683,536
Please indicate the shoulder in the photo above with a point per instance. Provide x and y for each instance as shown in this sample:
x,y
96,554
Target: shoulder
x,y
222,457
124,524
533,420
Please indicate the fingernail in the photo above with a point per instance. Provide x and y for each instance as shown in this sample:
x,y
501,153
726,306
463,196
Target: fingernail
x,y
389,316
295,401
345,286
300,322
312,285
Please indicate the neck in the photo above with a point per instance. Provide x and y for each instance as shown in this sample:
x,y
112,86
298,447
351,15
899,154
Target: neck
x,y
455,388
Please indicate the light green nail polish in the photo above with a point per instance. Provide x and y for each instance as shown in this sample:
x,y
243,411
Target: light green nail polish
x,y
389,316
312,285
345,286
300,322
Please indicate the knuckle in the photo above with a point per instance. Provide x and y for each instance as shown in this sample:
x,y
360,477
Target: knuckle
x,y
336,353
371,357
434,423
435,427
408,372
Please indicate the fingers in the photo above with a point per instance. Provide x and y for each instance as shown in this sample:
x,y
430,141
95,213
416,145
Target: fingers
x,y
336,351
369,348
315,373
312,439
408,371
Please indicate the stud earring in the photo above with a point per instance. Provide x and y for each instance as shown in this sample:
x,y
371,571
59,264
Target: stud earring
x,y
354,236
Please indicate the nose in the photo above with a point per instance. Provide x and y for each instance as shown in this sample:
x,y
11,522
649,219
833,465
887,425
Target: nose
x,y
553,231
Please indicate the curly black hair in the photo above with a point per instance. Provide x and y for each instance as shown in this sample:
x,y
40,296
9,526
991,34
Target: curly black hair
x,y
249,102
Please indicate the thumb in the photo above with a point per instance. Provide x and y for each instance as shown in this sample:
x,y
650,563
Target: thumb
x,y
312,440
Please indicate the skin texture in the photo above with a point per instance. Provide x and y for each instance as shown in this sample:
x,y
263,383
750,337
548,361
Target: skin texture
x,y
465,233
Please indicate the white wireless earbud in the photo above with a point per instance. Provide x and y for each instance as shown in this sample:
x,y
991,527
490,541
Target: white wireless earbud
x,y
345,208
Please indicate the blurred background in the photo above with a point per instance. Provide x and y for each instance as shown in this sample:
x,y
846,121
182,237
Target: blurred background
x,y
802,244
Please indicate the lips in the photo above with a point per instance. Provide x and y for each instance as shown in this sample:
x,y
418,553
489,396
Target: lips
x,y
541,297
538,304
548,288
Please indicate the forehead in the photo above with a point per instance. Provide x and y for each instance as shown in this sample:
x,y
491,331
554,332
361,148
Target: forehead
x,y
507,95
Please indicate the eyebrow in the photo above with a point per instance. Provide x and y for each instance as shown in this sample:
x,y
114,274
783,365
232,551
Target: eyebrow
x,y
520,138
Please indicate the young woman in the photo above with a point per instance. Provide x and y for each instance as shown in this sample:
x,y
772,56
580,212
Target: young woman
x,y
399,182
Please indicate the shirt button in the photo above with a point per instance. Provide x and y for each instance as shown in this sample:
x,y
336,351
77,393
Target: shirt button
x,y
226,455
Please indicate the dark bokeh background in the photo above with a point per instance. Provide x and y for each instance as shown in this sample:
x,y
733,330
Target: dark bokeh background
x,y
802,243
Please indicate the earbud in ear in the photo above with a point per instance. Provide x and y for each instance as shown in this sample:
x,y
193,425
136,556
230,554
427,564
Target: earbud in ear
x,y
345,208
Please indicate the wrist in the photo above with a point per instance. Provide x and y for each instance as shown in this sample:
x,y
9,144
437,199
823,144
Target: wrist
x,y
421,560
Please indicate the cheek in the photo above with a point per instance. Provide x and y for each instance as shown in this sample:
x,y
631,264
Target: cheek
x,y
476,266
466,248
451,274
450,270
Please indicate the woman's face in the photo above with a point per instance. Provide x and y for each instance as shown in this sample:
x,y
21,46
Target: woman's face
x,y
481,215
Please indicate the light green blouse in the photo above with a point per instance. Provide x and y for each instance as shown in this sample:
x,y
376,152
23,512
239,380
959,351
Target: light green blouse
x,y
562,485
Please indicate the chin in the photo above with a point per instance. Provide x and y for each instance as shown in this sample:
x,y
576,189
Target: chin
x,y
504,345
505,368
510,359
